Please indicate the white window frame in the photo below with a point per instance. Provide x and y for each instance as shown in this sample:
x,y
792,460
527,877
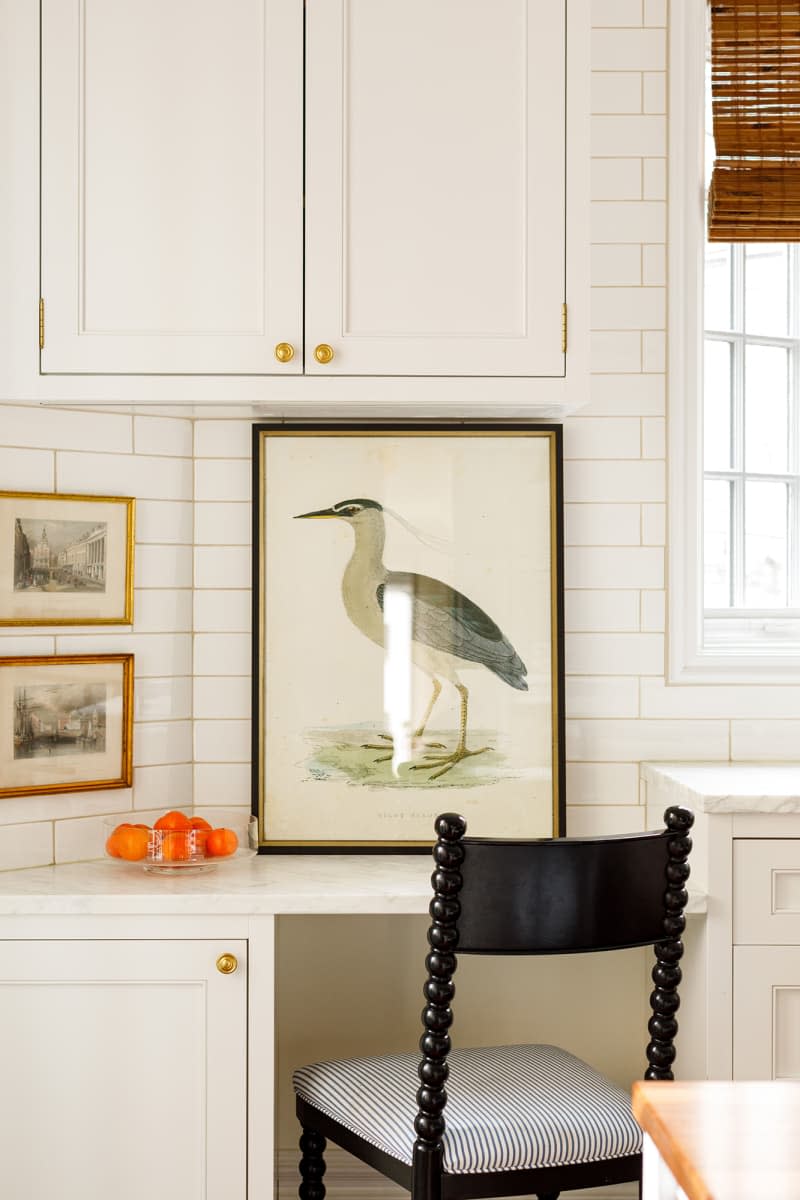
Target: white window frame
x,y
758,650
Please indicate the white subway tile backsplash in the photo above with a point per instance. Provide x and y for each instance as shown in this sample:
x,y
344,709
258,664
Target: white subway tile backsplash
x,y
222,567
627,308
654,437
162,787
222,479
222,609
15,643
616,12
627,134
613,567
137,475
223,439
636,741
616,179
616,266
158,742
29,425
614,611
26,845
654,266
160,610
618,49
217,698
28,470
84,839
167,699
628,221
655,12
163,566
616,92
602,696
624,395
620,653
654,524
602,437
163,435
164,521
654,92
602,525
603,783
654,351
599,821
18,810
653,612
223,524
654,178
155,654
615,352
759,704
222,741
222,654
614,481
762,740
219,784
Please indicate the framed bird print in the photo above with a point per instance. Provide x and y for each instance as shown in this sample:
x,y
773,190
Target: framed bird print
x,y
408,644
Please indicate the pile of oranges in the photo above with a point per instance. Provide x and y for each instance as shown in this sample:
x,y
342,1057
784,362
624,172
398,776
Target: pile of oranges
x,y
172,838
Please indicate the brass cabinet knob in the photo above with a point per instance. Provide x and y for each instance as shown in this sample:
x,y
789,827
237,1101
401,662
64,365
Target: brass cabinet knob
x,y
323,353
284,352
227,964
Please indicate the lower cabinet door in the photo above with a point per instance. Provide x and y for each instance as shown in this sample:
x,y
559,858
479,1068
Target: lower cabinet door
x,y
766,1012
123,1070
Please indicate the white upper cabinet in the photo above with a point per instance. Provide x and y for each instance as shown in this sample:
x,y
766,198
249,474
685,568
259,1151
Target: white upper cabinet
x,y
435,196
380,189
172,185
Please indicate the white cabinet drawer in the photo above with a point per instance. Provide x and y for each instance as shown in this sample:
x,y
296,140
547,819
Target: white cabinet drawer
x,y
766,891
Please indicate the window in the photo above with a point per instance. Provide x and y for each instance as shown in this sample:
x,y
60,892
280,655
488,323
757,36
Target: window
x,y
734,407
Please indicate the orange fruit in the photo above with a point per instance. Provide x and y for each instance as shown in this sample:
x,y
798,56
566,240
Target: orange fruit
x,y
114,839
175,845
173,820
132,843
199,823
221,842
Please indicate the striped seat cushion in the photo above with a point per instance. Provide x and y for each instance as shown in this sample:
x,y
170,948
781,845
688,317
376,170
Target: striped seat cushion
x,y
508,1107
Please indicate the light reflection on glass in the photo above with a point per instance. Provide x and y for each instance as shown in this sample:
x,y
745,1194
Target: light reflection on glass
x,y
398,601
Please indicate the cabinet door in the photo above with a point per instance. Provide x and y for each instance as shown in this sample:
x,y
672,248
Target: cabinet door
x,y
123,1071
171,185
766,1012
435,160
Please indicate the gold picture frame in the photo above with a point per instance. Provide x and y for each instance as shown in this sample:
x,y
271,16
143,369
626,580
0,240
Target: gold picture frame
x,y
462,525
66,559
66,723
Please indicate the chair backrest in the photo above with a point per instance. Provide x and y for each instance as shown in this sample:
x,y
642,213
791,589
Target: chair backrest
x,y
562,896
557,896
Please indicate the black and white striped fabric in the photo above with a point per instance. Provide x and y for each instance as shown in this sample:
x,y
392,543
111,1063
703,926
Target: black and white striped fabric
x,y
508,1107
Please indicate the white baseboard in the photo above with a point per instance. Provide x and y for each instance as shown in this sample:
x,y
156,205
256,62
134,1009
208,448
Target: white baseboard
x,y
347,1178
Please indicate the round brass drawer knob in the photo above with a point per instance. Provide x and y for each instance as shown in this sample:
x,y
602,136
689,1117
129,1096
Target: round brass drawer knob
x,y
323,353
284,352
227,964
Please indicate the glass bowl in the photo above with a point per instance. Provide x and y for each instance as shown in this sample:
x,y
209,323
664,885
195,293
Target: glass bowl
x,y
174,851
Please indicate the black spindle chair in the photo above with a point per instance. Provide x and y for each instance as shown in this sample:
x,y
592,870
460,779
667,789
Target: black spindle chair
x,y
520,1120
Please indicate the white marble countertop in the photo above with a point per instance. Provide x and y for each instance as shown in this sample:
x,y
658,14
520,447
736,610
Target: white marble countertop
x,y
267,884
728,787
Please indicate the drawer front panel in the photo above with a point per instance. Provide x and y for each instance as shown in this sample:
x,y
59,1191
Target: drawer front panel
x,y
766,1012
766,891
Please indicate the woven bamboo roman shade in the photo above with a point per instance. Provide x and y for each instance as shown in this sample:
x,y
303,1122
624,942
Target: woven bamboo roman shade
x,y
755,88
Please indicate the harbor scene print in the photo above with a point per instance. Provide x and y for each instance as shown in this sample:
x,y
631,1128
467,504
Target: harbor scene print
x,y
59,556
59,718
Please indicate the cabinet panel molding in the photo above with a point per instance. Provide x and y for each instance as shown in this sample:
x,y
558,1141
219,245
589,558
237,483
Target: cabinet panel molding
x,y
171,186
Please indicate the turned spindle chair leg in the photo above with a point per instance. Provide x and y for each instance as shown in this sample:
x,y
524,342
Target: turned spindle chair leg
x,y
312,1165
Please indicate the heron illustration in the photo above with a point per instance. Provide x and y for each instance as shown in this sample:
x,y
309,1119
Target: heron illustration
x,y
448,630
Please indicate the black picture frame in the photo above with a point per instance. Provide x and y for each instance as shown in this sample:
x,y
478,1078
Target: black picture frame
x,y
298,659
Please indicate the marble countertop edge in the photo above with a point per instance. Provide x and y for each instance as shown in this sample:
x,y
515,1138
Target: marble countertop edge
x,y
728,787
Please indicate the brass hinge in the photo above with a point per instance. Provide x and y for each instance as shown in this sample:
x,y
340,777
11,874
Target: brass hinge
x,y
41,324
563,329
